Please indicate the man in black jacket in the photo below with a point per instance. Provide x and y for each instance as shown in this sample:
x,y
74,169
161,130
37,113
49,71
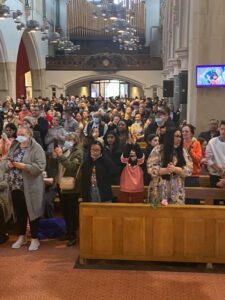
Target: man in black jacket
x,y
212,132
41,124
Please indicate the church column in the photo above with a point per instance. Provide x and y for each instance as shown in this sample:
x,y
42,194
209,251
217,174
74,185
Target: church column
x,y
206,46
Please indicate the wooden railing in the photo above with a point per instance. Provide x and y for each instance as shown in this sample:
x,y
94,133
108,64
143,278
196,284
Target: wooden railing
x,y
206,195
103,62
178,233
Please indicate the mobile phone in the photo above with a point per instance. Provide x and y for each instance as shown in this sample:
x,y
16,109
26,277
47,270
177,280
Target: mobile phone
x,y
56,143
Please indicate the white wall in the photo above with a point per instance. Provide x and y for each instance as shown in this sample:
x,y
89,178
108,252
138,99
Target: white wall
x,y
63,79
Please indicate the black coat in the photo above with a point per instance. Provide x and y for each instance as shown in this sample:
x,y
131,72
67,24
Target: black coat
x,y
105,168
206,135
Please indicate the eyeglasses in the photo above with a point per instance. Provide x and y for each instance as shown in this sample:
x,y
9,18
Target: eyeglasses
x,y
95,150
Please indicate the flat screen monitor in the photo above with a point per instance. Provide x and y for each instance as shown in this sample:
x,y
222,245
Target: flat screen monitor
x,y
210,76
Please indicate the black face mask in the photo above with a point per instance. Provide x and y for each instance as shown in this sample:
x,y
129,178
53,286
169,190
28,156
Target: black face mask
x,y
132,162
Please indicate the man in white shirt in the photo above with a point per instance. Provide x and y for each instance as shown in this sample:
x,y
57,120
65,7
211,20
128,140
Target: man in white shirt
x,y
215,156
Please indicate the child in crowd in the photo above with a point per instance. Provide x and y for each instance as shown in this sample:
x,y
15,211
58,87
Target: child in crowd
x,y
132,178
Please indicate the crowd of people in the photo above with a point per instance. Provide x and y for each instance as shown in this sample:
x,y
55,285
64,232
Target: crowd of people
x,y
79,147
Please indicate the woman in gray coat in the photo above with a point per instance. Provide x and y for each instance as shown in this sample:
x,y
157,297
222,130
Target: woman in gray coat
x,y
25,163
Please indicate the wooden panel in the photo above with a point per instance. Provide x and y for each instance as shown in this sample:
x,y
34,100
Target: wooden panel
x,y
220,238
163,237
85,230
102,235
194,237
134,236
184,233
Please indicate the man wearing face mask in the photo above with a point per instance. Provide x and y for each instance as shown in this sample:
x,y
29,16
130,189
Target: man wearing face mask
x,y
162,119
25,164
96,123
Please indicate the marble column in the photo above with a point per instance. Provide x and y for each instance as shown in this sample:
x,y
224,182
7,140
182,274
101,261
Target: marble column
x,y
206,46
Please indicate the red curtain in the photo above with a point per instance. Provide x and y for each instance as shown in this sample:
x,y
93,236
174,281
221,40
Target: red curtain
x,y
22,67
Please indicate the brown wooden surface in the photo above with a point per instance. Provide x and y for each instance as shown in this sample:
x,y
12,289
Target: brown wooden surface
x,y
205,194
139,232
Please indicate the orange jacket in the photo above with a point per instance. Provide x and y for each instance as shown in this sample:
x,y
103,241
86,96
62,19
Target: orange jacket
x,y
195,150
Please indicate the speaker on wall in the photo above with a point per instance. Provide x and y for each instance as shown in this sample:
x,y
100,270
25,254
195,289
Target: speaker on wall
x,y
167,88
183,83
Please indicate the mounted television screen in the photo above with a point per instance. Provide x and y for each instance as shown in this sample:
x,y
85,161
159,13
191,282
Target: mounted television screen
x,y
210,76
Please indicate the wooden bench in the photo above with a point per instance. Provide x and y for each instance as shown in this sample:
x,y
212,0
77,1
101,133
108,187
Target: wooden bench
x,y
206,195
176,233
204,181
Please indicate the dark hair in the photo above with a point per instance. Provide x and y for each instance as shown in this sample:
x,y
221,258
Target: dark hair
x,y
116,143
169,151
96,143
191,127
150,137
12,126
222,122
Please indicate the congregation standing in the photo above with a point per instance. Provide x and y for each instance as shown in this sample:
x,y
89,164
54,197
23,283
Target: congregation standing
x,y
100,143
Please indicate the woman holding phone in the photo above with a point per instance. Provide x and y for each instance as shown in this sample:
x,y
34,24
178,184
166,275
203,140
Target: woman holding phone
x,y
25,164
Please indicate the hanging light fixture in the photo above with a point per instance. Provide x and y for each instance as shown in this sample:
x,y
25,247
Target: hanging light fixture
x,y
32,25
4,11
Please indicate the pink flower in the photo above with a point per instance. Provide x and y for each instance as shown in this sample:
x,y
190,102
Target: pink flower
x,y
164,202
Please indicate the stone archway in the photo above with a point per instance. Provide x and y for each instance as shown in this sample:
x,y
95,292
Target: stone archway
x,y
4,86
85,79
34,59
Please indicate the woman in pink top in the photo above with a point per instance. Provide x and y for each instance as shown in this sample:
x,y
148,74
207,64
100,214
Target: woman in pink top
x,y
132,176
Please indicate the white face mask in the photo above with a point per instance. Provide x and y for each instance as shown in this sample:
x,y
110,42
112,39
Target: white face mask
x,y
158,121
68,145
22,138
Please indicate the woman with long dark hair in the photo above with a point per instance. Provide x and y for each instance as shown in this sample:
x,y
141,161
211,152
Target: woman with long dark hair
x,y
113,150
168,165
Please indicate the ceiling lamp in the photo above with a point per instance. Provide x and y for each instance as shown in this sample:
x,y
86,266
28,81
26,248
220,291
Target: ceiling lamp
x,y
20,26
16,15
55,38
109,10
4,12
33,26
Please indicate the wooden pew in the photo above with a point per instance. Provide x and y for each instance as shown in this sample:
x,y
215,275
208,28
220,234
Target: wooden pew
x,y
177,233
206,195
204,181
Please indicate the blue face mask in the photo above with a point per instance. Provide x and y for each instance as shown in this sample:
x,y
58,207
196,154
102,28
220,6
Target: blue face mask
x,y
68,145
158,121
22,138
96,120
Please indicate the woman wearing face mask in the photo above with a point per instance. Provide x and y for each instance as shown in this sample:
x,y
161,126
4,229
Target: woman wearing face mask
x,y
168,165
25,164
97,172
132,177
70,159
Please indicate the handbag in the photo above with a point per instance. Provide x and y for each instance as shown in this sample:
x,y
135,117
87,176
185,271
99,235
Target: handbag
x,y
68,183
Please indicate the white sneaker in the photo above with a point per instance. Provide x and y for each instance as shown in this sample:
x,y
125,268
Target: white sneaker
x,y
34,245
20,242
